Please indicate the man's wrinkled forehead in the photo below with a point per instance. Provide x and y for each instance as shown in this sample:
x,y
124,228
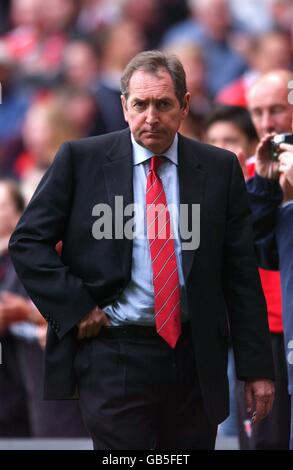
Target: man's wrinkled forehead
x,y
146,84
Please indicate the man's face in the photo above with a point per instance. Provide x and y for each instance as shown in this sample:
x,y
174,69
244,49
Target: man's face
x,y
269,108
226,135
153,111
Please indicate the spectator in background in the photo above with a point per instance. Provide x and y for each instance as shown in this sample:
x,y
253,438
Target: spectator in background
x,y
154,18
13,103
282,14
271,194
4,16
271,112
13,107
148,17
269,105
14,305
14,420
253,17
23,36
118,44
80,65
96,14
264,53
192,58
210,25
173,11
44,128
38,44
230,127
81,111
23,15
59,16
23,412
80,75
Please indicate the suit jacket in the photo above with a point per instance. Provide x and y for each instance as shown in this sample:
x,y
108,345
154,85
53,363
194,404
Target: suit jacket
x,y
222,281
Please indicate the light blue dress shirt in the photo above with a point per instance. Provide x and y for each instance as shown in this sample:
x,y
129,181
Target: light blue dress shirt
x,y
136,303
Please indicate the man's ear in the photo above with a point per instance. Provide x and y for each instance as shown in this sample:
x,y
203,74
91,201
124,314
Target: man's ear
x,y
185,107
124,107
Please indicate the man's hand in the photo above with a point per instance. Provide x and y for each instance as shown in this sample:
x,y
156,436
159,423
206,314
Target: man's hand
x,y
259,397
264,166
91,324
286,162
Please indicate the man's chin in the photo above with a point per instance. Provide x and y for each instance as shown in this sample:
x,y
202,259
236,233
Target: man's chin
x,y
151,135
153,145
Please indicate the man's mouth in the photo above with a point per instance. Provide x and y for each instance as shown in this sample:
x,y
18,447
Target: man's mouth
x,y
152,132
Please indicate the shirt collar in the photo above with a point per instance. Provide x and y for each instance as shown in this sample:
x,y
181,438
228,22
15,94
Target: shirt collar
x,y
141,154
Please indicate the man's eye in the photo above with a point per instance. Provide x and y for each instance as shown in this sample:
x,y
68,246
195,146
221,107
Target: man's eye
x,y
163,104
278,109
256,113
139,105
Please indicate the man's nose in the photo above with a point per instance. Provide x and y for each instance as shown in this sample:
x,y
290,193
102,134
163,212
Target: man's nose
x,y
152,115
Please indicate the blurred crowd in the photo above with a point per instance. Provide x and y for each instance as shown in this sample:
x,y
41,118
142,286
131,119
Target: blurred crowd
x,y
60,65
60,68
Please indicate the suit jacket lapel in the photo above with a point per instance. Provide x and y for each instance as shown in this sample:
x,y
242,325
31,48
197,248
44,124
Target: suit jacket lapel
x,y
118,173
191,188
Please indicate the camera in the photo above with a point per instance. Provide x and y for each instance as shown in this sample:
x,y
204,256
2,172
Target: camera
x,y
276,141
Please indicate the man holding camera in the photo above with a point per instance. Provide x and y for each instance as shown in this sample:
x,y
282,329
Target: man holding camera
x,y
271,192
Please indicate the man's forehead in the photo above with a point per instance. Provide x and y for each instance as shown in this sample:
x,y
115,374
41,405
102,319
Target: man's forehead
x,y
146,82
273,96
267,90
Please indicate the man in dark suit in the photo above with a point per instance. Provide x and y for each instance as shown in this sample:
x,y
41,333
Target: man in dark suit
x,y
138,326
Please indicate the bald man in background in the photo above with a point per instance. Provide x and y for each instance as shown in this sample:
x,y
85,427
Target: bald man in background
x,y
271,192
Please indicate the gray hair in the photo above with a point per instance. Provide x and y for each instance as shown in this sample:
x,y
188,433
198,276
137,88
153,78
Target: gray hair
x,y
152,62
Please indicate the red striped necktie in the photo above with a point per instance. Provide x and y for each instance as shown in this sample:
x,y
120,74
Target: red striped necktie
x,y
164,264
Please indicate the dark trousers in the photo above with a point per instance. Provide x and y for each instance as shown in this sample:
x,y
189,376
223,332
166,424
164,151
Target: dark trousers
x,y
140,394
273,432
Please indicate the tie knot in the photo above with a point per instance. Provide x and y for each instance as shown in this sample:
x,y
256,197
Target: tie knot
x,y
155,162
